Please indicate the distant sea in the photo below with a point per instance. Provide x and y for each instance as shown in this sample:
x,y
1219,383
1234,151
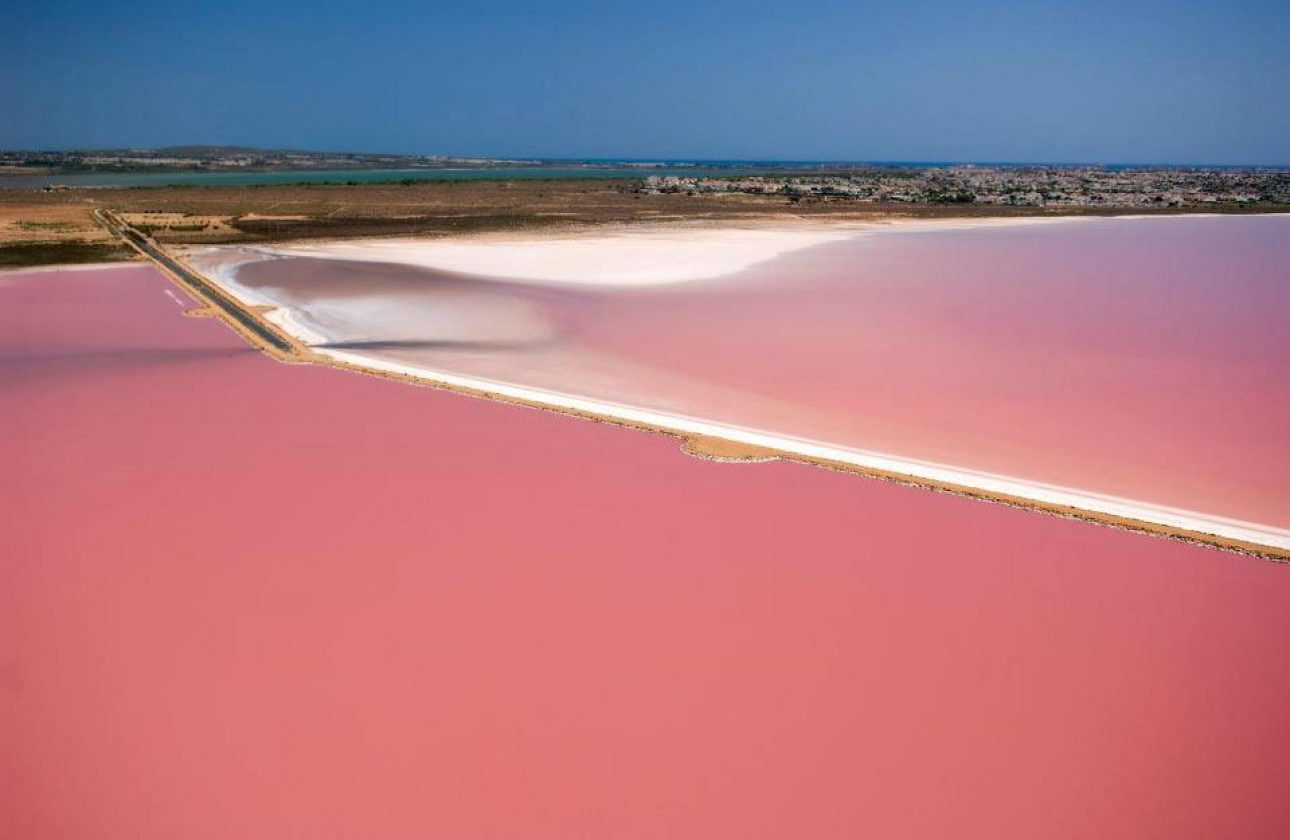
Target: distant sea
x,y
369,176
594,168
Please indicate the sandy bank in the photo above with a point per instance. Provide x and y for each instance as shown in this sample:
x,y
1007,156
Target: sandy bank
x,y
62,267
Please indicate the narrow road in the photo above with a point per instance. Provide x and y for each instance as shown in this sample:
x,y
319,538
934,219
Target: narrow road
x,y
248,321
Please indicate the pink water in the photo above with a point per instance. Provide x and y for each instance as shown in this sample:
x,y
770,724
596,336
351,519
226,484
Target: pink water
x,y
1140,358
246,599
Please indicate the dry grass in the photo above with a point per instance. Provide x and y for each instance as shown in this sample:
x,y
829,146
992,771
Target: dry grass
x,y
183,226
176,215
248,214
41,222
40,232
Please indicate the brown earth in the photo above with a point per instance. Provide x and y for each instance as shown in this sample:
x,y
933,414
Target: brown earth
x,y
43,221
727,451
34,232
275,213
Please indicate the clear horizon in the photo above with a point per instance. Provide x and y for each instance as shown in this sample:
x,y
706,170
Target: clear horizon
x,y
1184,83
663,161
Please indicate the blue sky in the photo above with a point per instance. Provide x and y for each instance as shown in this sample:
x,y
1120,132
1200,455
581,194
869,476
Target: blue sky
x,y
1188,81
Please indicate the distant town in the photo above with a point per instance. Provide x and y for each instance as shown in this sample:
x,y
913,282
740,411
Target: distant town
x,y
197,195
982,185
1023,186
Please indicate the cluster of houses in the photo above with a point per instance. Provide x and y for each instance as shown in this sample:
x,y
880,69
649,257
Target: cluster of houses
x,y
1033,186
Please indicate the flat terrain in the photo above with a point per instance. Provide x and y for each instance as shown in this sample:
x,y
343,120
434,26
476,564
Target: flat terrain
x,y
246,599
923,341
34,231
277,213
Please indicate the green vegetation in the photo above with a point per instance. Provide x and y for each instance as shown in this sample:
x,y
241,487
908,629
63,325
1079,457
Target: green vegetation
x,y
952,197
31,224
24,254
148,229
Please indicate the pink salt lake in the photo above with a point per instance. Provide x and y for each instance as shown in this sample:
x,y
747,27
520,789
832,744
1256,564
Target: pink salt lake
x,y
246,599
1144,359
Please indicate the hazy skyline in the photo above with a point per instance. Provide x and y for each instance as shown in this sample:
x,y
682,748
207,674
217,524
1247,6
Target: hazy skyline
x,y
1191,81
